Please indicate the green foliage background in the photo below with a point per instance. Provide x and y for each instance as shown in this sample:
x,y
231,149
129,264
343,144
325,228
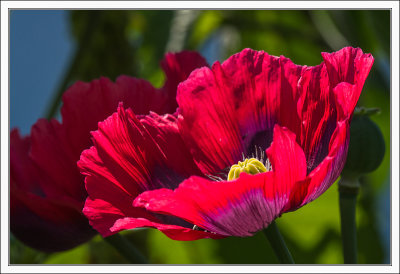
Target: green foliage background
x,y
110,43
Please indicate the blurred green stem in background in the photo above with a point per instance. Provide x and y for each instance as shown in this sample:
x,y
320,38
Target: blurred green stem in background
x,y
80,51
278,244
348,192
365,154
126,249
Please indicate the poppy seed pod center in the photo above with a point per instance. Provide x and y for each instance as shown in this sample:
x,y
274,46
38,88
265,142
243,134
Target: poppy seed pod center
x,y
249,166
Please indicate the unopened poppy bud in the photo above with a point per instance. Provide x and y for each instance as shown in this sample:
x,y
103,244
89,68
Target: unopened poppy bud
x,y
366,149
249,166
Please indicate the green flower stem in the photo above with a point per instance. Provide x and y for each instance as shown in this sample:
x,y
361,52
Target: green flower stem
x,y
126,249
348,191
278,244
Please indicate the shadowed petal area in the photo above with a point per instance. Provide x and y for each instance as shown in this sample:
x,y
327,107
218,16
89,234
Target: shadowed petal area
x,y
240,207
177,68
38,212
129,157
174,232
51,152
326,173
330,92
176,157
317,110
61,226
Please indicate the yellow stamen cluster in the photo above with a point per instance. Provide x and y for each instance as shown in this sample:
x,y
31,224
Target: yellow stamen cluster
x,y
250,166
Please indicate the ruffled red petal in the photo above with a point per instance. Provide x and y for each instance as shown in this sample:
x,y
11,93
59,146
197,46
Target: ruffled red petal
x,y
172,231
227,110
207,122
316,108
103,211
287,159
224,108
240,207
235,208
289,95
129,157
92,102
326,173
52,153
329,93
349,65
86,104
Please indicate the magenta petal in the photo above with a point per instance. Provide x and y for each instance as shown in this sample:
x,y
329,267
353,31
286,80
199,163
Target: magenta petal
x,y
104,212
176,157
317,110
348,65
240,207
129,157
235,208
203,112
56,159
172,231
289,95
326,173
287,159
231,108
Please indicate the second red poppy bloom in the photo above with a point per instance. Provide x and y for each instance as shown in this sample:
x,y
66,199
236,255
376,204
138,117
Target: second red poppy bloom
x,y
47,191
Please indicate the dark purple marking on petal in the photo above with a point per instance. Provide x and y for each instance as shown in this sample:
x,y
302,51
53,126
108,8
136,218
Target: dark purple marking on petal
x,y
245,216
172,220
259,141
164,177
321,150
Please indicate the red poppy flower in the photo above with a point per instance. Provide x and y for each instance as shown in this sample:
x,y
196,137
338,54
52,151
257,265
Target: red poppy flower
x,y
289,125
47,190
